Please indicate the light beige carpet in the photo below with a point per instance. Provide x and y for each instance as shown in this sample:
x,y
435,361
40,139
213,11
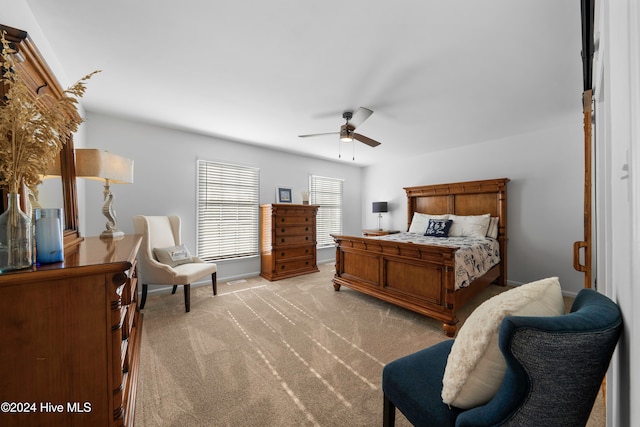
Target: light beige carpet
x,y
287,353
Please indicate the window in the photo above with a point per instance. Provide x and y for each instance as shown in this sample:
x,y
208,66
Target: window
x,y
228,203
327,193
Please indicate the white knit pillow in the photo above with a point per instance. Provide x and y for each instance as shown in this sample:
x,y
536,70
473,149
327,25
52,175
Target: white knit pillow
x,y
475,366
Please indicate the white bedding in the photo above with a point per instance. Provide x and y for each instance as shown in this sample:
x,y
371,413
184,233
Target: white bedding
x,y
475,257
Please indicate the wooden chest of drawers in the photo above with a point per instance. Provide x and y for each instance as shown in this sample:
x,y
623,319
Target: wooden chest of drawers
x,y
287,240
70,338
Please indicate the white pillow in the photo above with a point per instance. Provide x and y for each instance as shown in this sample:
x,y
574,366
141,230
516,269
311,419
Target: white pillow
x,y
475,366
469,226
492,231
420,221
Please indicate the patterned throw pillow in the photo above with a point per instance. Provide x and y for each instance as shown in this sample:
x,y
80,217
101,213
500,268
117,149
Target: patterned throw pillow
x,y
173,255
438,228
420,221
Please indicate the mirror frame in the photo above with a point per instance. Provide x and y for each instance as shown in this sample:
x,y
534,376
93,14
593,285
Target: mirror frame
x,y
39,78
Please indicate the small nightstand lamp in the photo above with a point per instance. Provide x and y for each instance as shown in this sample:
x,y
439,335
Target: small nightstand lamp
x,y
379,208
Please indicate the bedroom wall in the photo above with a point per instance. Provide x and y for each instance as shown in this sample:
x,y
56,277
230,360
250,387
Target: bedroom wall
x,y
165,179
544,196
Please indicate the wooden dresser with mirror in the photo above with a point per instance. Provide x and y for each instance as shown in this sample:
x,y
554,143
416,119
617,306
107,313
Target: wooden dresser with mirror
x,y
69,332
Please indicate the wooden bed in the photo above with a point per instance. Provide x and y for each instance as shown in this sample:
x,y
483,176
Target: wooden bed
x,y
420,277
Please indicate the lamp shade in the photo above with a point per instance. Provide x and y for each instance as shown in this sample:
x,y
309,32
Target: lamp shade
x,y
54,169
379,207
102,165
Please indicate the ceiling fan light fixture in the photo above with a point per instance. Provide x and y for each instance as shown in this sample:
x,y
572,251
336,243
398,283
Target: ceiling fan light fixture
x,y
345,134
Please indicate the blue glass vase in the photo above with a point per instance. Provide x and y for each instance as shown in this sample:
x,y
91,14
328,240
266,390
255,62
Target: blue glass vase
x,y
49,246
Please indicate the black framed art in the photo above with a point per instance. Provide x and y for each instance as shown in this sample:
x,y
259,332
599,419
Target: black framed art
x,y
283,195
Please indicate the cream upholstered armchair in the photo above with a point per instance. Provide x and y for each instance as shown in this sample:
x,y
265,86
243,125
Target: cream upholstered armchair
x,y
164,260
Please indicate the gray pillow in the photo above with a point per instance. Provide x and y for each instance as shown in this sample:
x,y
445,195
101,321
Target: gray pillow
x,y
173,255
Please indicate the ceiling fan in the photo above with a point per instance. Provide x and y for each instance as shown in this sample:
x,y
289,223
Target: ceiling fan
x,y
347,134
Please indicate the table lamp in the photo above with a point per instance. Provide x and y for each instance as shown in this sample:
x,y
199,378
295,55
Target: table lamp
x,y
104,166
379,208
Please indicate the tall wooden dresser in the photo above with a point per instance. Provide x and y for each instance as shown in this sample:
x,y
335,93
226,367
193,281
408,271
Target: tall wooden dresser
x,y
287,240
70,338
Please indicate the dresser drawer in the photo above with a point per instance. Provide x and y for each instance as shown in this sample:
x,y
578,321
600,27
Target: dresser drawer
x,y
294,220
125,319
128,346
293,210
130,287
124,360
292,240
287,230
298,264
282,254
128,320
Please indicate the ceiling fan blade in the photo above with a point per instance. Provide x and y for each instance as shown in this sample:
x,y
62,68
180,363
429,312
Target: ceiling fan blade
x,y
366,140
318,134
359,116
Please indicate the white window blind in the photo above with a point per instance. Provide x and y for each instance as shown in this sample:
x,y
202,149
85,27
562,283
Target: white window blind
x,y
327,193
228,216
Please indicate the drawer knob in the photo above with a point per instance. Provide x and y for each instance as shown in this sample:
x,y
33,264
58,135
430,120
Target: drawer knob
x,y
282,240
282,267
306,238
282,254
283,229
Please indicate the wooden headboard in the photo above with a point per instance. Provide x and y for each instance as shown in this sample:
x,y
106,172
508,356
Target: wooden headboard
x,y
464,198
461,198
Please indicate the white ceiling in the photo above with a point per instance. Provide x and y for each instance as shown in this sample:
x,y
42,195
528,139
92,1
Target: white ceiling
x,y
438,74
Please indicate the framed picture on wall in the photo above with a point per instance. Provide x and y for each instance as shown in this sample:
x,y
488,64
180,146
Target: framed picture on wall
x,y
283,195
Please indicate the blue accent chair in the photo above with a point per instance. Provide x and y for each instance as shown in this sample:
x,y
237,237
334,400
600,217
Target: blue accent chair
x,y
555,366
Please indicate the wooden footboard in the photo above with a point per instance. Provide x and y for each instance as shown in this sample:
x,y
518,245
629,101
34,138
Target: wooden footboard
x,y
416,277
420,277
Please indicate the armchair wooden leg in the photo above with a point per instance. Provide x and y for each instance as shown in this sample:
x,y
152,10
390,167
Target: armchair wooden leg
x,y
187,298
388,413
144,296
214,282
175,288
